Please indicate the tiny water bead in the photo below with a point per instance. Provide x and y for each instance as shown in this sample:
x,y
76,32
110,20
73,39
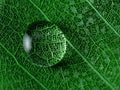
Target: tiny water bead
x,y
44,43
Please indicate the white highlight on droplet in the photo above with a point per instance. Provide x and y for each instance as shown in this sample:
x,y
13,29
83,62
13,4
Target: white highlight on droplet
x,y
27,43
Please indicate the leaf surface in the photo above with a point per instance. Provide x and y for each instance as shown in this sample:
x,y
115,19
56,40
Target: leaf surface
x,y
93,37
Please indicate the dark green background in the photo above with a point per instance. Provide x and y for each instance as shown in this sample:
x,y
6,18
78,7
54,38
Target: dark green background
x,y
92,61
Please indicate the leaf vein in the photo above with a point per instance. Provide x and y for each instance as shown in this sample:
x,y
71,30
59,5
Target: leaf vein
x,y
25,70
110,26
39,10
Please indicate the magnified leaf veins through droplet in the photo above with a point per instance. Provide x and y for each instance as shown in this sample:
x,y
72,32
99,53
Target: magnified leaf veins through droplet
x,y
44,43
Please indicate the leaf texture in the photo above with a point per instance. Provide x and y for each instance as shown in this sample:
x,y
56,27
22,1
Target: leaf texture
x,y
92,61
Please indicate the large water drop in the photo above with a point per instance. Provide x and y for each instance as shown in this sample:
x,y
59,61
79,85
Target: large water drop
x,y
44,43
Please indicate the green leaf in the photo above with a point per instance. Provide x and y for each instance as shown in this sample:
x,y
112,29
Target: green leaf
x,y
92,60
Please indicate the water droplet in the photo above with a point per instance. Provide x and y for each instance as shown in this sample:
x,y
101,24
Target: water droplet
x,y
44,43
